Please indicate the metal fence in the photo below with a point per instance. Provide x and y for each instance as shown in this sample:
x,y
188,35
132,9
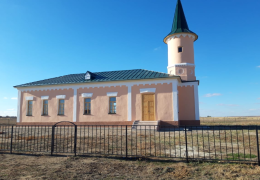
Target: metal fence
x,y
206,143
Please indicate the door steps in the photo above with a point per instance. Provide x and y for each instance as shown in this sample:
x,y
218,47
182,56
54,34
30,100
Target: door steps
x,y
145,125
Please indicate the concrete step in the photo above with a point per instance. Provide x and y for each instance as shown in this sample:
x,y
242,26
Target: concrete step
x,y
145,125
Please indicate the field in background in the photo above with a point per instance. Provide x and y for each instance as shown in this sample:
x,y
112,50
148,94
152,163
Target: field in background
x,y
243,120
7,121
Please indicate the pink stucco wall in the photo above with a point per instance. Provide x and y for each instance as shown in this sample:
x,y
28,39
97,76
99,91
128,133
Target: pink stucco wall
x,y
187,56
188,73
163,101
186,103
52,108
100,104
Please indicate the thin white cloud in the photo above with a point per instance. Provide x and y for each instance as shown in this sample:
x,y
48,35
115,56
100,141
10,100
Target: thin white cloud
x,y
10,109
231,105
156,49
14,98
5,98
258,66
8,113
212,94
258,98
253,109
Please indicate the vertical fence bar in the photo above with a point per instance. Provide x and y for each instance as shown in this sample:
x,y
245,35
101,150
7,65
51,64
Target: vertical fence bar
x,y
52,139
126,141
75,140
257,143
11,145
186,142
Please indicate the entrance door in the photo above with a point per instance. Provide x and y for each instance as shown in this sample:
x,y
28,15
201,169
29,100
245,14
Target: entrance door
x,y
148,107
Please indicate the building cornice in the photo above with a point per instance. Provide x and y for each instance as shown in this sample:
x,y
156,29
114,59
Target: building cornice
x,y
178,35
181,65
98,85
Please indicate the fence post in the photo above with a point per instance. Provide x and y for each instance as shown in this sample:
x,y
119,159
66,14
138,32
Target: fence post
x,y
52,139
186,142
126,141
257,143
11,145
75,140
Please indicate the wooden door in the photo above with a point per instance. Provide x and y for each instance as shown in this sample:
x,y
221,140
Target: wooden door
x,y
148,107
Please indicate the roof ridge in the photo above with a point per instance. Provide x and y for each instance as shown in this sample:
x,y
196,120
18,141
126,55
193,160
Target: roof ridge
x,y
116,70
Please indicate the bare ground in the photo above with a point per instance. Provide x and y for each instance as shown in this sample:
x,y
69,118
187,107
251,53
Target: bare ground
x,y
47,167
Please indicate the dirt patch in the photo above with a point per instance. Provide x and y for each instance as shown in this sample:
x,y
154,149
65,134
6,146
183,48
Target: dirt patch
x,y
47,167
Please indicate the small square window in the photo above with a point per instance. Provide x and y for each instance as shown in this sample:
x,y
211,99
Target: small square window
x,y
179,49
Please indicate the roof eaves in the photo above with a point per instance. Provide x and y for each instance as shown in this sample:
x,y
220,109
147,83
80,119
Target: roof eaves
x,y
50,84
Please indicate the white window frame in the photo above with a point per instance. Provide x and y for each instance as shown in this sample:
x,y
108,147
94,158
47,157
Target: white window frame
x,y
27,104
27,99
60,97
44,98
59,107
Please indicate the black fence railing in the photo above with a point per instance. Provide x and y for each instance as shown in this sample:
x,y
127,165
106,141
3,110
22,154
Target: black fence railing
x,y
207,143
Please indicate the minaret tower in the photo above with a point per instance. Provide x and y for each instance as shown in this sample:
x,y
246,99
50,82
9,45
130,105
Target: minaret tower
x,y
180,47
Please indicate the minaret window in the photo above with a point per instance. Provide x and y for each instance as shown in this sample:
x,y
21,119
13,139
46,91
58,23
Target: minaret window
x,y
180,49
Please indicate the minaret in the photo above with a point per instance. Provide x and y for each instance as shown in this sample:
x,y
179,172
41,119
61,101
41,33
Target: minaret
x,y
180,47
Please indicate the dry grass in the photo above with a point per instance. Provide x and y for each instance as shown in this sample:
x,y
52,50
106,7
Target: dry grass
x,y
30,138
47,167
206,144
230,120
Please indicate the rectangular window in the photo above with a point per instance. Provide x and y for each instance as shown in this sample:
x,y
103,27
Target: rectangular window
x,y
61,107
45,107
112,105
87,106
179,49
29,108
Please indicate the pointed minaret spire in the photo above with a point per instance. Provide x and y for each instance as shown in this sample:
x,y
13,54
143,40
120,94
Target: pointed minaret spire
x,y
179,24
180,42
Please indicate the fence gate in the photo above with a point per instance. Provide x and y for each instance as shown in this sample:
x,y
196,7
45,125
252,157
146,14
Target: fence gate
x,y
64,138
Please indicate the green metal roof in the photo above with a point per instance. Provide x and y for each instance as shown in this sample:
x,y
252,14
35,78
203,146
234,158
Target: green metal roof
x,y
135,74
179,24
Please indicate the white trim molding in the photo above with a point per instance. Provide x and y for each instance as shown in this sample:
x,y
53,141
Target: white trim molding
x,y
112,93
44,97
196,101
99,85
75,105
188,84
29,98
179,35
181,65
18,106
61,96
148,90
84,95
175,101
129,103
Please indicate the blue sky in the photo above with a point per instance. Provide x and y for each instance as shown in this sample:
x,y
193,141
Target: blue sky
x,y
45,39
